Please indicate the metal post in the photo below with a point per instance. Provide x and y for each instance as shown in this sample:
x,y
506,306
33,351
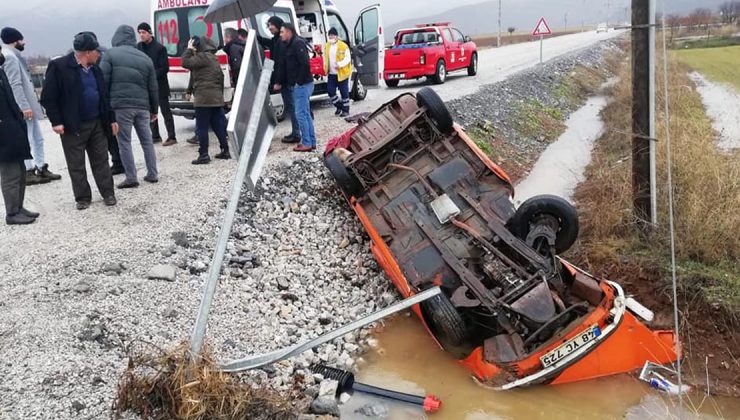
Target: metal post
x,y
498,37
653,145
641,138
566,22
541,38
583,19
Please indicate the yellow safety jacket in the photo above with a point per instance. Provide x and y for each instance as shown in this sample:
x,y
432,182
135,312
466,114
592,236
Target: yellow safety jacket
x,y
343,55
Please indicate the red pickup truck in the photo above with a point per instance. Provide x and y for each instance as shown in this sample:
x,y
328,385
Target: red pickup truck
x,y
429,50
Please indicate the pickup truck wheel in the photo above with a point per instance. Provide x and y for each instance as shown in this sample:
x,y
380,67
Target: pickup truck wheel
x,y
359,92
391,83
473,67
347,181
445,322
551,210
437,110
440,75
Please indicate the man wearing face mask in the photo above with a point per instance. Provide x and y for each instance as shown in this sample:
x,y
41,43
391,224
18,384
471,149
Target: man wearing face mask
x,y
338,65
14,149
16,69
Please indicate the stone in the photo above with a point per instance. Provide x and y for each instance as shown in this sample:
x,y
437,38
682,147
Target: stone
x,y
283,283
82,287
181,239
344,243
113,268
328,388
285,311
78,406
171,312
325,406
373,410
162,272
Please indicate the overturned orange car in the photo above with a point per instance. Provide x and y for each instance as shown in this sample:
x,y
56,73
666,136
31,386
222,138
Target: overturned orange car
x,y
439,212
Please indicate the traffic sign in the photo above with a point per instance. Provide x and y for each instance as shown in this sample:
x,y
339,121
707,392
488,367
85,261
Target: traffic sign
x,y
542,28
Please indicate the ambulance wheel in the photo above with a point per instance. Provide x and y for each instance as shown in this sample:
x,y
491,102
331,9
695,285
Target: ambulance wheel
x,y
346,180
359,92
391,83
437,110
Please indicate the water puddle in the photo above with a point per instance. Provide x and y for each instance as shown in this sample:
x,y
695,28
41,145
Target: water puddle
x,y
409,361
723,107
560,167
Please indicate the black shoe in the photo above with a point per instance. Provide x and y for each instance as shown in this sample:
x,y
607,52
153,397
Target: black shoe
x,y
192,140
19,219
128,184
44,172
170,141
291,140
202,160
29,213
156,139
338,111
344,114
83,205
117,170
223,155
110,201
33,178
151,179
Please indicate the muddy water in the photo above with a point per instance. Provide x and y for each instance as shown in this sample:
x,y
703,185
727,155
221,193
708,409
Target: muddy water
x,y
408,360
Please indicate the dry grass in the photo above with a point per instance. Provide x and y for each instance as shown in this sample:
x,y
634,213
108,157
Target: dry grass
x,y
164,385
706,196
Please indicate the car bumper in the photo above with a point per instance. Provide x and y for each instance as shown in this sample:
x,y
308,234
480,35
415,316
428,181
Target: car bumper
x,y
411,73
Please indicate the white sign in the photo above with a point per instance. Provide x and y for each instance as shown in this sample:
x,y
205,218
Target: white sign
x,y
542,28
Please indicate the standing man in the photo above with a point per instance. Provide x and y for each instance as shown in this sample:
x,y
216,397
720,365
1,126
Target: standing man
x,y
14,149
234,49
277,53
158,53
131,84
243,33
338,65
208,90
76,102
296,73
19,76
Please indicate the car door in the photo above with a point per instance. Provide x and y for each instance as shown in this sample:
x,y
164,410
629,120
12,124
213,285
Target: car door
x,y
369,47
463,58
451,49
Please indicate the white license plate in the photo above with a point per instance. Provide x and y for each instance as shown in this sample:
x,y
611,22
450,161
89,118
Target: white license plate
x,y
178,97
398,76
570,346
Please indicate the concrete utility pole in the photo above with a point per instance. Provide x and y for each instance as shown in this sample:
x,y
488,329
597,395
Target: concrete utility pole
x,y
607,12
498,37
583,14
643,110
566,22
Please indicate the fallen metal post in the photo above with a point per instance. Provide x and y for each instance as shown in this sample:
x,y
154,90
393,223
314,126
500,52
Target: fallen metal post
x,y
254,362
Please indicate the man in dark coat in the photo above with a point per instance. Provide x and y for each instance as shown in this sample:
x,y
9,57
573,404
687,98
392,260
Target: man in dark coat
x,y
14,149
131,85
76,103
158,53
296,72
234,49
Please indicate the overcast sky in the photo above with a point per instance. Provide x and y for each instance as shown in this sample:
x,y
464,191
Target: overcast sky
x,y
49,25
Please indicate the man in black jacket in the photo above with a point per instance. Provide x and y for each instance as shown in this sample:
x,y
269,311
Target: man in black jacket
x,y
234,49
14,149
158,53
296,73
76,102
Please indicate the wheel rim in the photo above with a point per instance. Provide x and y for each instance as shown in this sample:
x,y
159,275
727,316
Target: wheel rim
x,y
360,89
442,72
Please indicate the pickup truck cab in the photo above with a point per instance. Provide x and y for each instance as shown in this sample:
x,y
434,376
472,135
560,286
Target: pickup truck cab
x,y
430,50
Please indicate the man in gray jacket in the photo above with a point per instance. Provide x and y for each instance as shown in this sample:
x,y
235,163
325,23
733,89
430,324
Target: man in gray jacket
x,y
131,82
37,170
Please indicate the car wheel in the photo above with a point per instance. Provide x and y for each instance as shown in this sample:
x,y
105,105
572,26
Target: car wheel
x,y
440,75
347,181
445,321
473,67
551,211
279,113
391,83
359,92
437,110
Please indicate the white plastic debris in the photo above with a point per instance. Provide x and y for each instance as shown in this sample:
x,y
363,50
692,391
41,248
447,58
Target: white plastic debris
x,y
659,382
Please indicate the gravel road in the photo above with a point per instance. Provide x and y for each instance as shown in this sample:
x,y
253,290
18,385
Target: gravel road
x,y
75,292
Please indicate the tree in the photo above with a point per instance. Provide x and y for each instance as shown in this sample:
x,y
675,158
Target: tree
x,y
511,30
700,17
674,24
729,11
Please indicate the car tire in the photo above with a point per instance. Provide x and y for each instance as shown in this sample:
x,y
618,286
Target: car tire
x,y
347,181
535,208
391,83
436,108
440,73
359,91
279,113
473,67
445,321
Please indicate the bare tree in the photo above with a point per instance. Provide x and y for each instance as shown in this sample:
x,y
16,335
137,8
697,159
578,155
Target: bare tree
x,y
700,17
674,25
729,11
511,30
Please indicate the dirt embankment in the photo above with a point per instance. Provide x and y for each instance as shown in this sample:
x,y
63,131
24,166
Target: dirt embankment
x,y
706,198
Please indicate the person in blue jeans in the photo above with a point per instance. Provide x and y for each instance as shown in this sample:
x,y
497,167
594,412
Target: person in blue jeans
x,y
296,72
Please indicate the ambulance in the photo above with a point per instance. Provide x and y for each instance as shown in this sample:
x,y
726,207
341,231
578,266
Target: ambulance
x,y
176,21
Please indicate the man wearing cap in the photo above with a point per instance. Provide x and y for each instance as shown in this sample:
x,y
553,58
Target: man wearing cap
x,y
76,103
338,65
158,53
19,77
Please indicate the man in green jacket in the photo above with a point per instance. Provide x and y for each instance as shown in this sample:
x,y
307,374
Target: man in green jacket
x,y
208,91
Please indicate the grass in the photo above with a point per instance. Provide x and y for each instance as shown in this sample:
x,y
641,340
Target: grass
x,y
535,120
706,197
718,64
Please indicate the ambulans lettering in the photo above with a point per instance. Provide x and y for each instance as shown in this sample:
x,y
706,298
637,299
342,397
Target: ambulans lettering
x,y
168,4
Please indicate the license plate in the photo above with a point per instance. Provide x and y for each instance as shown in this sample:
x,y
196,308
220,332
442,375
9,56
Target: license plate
x,y
570,346
178,97
397,76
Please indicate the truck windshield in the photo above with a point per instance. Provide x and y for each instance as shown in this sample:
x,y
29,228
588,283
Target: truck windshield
x,y
173,28
421,36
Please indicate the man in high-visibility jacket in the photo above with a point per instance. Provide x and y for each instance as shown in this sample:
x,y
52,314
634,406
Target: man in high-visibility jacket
x,y
338,67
